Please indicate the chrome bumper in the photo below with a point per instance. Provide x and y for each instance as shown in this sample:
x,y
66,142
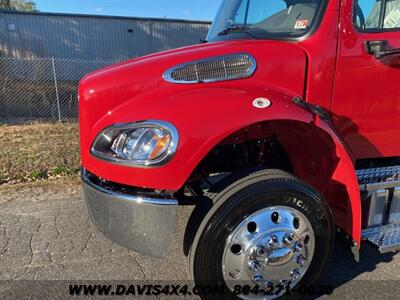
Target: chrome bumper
x,y
136,222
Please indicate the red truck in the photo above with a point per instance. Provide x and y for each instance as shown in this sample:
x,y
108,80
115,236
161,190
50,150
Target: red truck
x,y
282,128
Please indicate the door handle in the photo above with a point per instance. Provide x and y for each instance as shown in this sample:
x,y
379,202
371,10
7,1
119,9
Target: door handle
x,y
379,49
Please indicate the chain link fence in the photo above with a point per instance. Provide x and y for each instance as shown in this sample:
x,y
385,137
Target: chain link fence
x,y
41,89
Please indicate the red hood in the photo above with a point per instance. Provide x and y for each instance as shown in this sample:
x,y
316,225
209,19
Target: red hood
x,y
135,90
280,66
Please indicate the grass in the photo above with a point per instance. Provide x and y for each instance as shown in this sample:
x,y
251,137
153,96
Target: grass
x,y
38,151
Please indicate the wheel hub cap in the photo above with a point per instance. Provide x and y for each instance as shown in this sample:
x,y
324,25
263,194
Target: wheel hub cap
x,y
272,247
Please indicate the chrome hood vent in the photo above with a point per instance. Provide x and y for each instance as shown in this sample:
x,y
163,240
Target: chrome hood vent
x,y
219,68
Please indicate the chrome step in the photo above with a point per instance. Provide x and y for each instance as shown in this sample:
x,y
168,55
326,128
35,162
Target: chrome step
x,y
378,178
386,238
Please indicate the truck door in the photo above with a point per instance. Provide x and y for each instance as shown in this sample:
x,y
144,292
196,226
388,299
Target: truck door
x,y
366,98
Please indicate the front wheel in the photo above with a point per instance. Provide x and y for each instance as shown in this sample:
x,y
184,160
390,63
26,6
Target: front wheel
x,y
267,233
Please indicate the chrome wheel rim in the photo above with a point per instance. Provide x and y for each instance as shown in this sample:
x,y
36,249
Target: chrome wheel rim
x,y
272,247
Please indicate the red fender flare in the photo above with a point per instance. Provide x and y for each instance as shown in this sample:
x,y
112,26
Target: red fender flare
x,y
204,116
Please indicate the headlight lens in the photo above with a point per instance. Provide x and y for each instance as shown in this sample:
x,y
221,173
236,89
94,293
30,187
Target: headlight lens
x,y
146,143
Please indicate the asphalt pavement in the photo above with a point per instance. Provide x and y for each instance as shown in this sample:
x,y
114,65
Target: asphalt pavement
x,y
47,241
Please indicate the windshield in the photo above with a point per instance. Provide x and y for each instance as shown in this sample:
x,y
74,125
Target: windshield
x,y
263,19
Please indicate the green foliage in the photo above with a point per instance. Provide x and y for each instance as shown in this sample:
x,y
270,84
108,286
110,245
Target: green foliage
x,y
20,5
37,174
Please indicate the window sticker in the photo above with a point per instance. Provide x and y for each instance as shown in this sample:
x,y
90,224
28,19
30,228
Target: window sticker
x,y
301,24
392,20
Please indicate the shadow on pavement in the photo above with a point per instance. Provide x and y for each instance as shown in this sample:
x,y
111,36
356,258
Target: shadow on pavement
x,y
343,270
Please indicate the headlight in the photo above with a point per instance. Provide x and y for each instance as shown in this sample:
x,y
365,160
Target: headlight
x,y
148,143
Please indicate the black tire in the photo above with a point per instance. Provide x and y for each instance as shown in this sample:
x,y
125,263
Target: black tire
x,y
244,195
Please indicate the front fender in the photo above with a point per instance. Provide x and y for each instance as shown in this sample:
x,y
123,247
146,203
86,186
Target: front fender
x,y
204,117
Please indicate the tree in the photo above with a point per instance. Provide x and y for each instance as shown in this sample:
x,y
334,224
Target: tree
x,y
21,5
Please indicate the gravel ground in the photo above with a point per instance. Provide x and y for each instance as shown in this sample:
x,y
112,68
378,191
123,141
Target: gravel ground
x,y
46,240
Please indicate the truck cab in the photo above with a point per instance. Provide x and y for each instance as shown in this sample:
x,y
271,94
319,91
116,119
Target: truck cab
x,y
282,128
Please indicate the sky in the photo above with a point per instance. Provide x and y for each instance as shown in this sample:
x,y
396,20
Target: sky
x,y
177,9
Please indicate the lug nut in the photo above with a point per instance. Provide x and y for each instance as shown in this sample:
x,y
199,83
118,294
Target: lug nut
x,y
283,282
260,252
254,265
295,274
272,241
258,278
300,260
288,239
298,247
